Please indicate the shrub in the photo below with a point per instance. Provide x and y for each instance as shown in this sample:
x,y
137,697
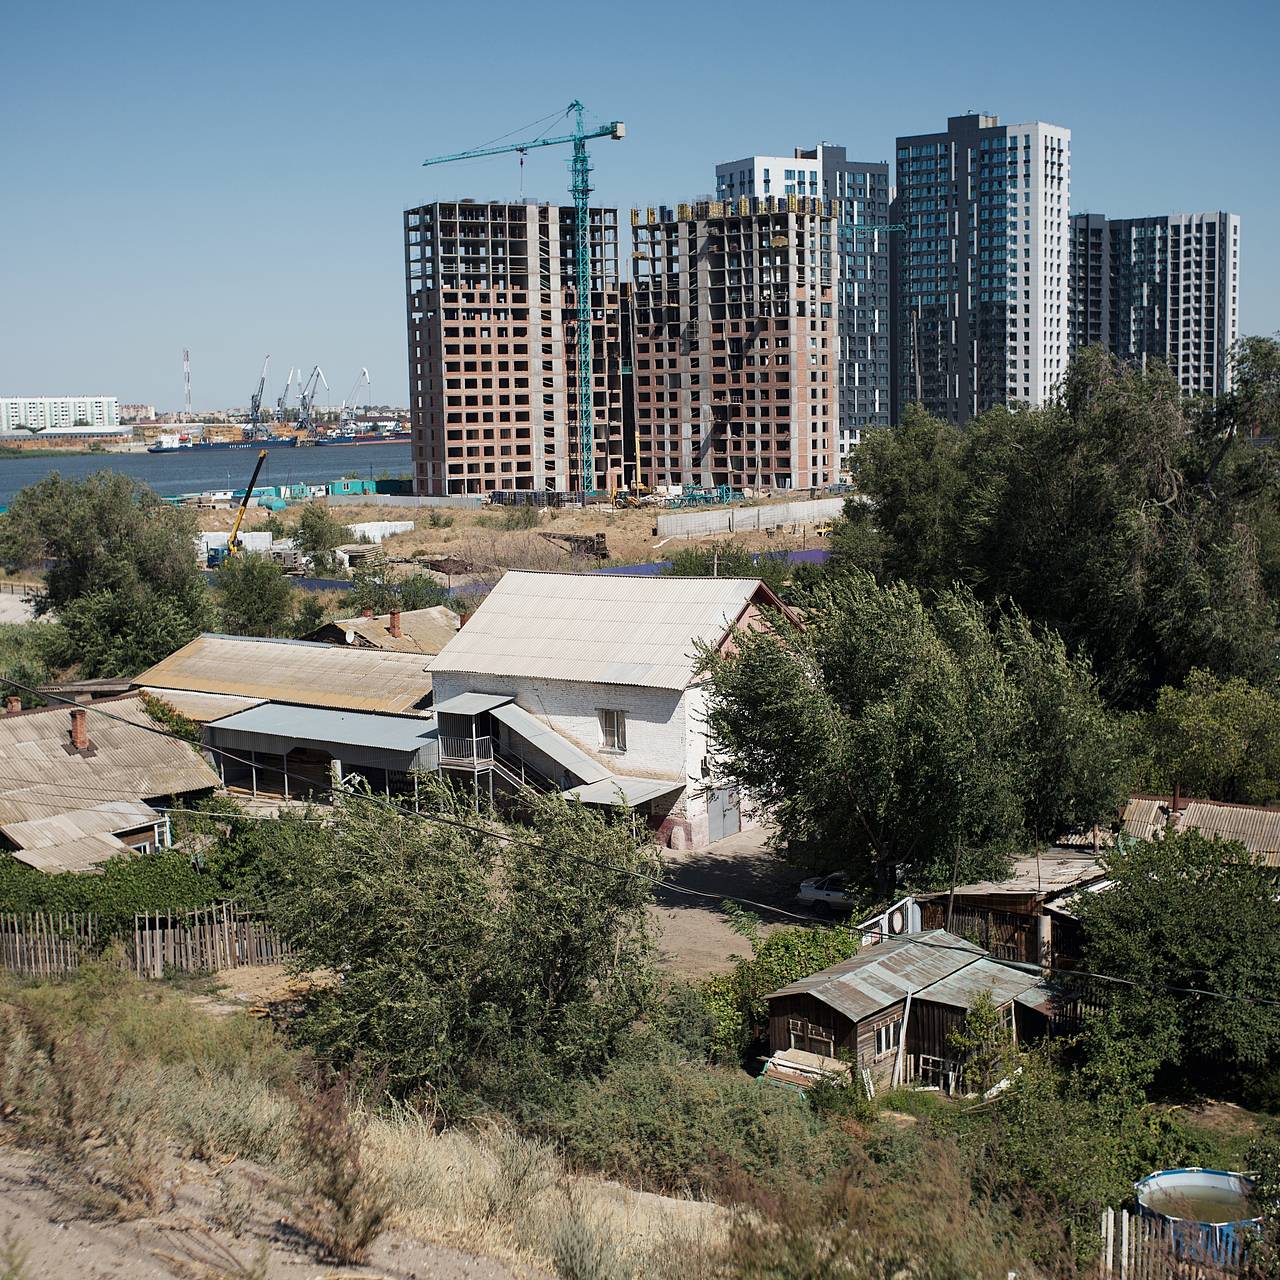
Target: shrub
x,y
683,1126
520,516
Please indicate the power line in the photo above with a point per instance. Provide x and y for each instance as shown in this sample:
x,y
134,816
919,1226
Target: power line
x,y
612,868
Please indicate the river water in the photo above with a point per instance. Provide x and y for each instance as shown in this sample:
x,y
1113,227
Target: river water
x,y
194,471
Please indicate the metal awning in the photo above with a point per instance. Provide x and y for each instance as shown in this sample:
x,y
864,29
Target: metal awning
x,y
622,790
543,738
471,704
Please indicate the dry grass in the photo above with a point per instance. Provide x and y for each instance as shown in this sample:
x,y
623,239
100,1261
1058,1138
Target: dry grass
x,y
117,1084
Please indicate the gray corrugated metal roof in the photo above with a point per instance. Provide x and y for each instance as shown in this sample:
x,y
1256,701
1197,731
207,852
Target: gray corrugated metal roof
x,y
1051,873
310,674
130,760
981,977
1256,828
421,630
60,828
602,629
886,973
472,704
618,789
405,734
545,739
85,854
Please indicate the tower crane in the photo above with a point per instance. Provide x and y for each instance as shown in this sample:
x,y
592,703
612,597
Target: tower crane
x,y
349,404
255,401
307,398
284,395
580,188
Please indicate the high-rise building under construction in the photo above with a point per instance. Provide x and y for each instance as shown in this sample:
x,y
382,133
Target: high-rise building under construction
x,y
734,343
492,347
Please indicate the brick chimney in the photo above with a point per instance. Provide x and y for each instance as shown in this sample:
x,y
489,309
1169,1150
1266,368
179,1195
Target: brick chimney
x,y
366,613
394,625
79,729
12,705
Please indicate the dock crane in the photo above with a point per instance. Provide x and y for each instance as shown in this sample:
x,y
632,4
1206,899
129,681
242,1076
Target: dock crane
x,y
255,401
307,398
284,396
580,189
349,404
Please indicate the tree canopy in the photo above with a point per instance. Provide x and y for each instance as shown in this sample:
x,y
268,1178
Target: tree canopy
x,y
122,575
890,731
1140,532
254,596
1192,913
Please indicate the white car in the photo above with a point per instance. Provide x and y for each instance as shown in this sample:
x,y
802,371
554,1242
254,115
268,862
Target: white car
x,y
826,893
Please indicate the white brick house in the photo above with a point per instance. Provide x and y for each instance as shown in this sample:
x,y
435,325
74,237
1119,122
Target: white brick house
x,y
588,684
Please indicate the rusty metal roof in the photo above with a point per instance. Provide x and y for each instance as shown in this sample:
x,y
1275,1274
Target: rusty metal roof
x,y
879,977
982,977
1044,876
342,677
598,628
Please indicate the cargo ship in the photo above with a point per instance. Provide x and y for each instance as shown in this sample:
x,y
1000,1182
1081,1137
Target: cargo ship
x,y
362,437
176,444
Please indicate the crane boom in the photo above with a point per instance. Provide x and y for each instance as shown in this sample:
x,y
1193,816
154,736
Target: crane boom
x,y
284,395
580,189
233,542
255,401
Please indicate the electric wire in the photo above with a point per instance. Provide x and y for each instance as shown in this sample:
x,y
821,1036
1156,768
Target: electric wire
x,y
658,881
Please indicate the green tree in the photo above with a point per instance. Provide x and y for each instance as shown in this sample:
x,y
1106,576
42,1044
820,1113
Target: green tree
x,y
1253,406
472,967
728,560
1219,739
122,575
1111,515
317,534
1197,914
371,588
254,596
888,732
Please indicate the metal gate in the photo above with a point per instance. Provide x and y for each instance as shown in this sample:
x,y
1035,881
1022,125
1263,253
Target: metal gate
x,y
724,813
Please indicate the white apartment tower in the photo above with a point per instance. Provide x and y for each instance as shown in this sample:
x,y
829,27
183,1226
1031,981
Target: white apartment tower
x,y
980,279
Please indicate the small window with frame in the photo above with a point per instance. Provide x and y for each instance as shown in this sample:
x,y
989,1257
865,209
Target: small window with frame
x,y
888,1037
613,729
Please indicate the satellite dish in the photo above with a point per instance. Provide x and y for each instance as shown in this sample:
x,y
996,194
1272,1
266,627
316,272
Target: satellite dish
x,y
350,636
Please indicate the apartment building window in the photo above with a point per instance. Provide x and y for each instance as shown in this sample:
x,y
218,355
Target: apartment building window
x,y
613,729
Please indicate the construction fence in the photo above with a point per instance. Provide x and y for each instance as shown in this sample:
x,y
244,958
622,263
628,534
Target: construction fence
x,y
696,524
50,944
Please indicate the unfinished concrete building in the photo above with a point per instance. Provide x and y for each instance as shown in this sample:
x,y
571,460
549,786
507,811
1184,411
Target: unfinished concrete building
x,y
492,347
733,340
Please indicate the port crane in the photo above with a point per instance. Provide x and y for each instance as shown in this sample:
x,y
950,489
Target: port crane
x,y
307,398
580,189
349,404
284,395
255,401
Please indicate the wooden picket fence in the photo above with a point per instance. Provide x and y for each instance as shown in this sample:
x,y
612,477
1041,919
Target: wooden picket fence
x,y
1135,1247
41,944
44,944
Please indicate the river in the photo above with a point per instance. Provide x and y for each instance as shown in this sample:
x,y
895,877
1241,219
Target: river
x,y
194,471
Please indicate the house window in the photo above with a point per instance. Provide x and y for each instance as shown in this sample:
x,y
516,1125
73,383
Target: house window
x,y
812,1038
888,1037
613,729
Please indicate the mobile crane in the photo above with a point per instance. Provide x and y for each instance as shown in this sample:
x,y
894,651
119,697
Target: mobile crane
x,y
218,555
580,188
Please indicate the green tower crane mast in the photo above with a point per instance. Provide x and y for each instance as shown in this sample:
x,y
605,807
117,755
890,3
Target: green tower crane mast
x,y
580,188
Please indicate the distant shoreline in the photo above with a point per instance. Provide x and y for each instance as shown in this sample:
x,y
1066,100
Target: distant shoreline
x,y
8,451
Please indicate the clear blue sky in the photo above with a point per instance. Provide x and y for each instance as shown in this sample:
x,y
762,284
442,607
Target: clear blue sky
x,y
230,176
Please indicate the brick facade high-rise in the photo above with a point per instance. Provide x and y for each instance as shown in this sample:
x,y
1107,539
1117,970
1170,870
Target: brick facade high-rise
x,y
492,325
734,338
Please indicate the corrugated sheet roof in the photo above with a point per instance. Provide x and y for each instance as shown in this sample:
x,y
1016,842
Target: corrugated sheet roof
x,y
1052,872
421,630
85,854
1144,817
600,629
203,707
405,734
471,704
961,989
884,974
59,828
542,737
620,789
1256,828
310,674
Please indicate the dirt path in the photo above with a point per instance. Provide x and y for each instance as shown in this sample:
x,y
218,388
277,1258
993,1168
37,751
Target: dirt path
x,y
38,1226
